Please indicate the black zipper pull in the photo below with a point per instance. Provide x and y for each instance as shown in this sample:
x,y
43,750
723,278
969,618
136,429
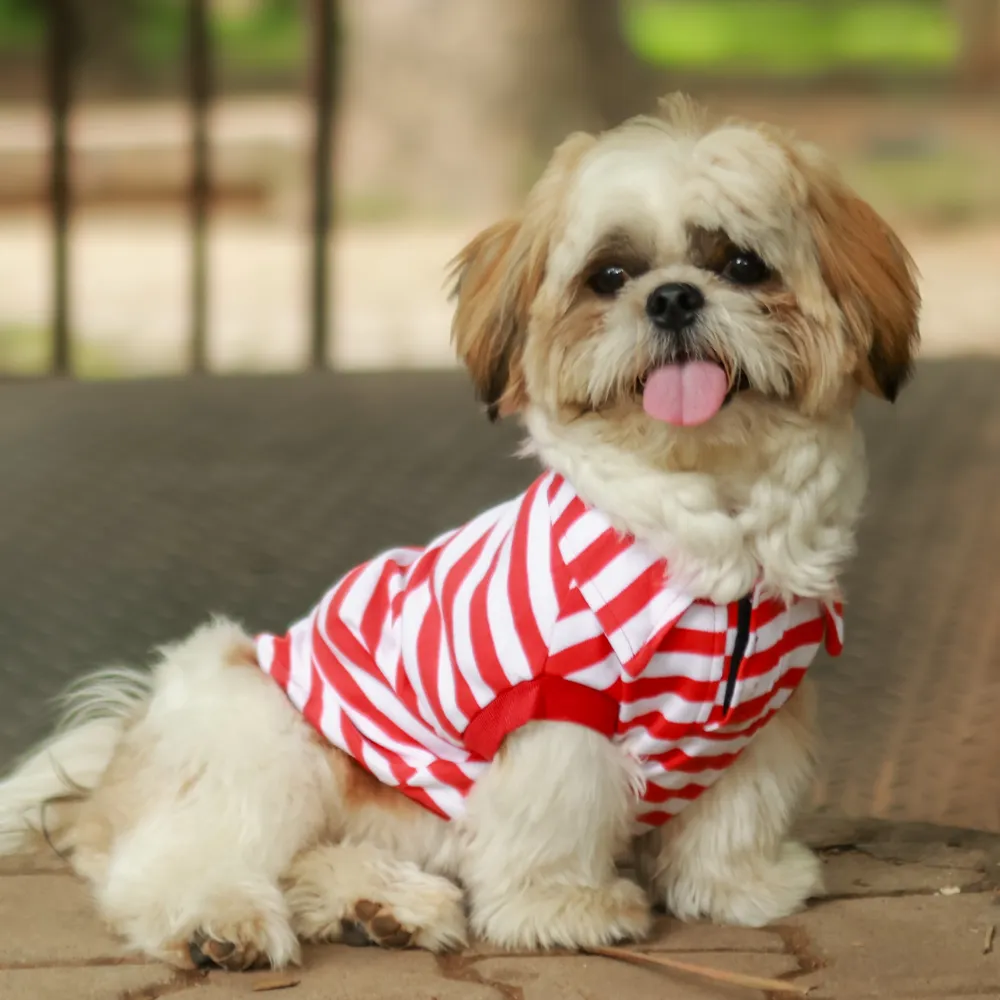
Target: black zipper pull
x,y
743,613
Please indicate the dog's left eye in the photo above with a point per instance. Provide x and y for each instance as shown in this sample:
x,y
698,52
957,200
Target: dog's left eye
x,y
746,268
608,280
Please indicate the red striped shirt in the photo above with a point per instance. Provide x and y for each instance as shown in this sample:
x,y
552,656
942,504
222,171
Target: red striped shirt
x,y
420,662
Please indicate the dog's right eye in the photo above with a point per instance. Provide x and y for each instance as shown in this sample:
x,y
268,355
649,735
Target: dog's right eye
x,y
608,280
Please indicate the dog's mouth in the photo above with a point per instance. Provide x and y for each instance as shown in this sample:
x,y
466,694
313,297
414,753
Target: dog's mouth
x,y
689,391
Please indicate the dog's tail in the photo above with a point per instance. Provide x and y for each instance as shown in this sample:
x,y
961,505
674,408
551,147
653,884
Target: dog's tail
x,y
63,769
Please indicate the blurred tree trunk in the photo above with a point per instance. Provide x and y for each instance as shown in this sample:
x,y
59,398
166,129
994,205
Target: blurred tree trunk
x,y
979,35
616,83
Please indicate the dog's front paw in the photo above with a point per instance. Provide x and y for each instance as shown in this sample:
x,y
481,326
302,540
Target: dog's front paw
x,y
752,894
237,935
564,916
360,897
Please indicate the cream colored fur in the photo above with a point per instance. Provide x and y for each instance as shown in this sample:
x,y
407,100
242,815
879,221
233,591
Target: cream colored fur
x,y
214,825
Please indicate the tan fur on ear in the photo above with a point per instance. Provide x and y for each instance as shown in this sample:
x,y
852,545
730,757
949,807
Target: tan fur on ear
x,y
873,279
496,278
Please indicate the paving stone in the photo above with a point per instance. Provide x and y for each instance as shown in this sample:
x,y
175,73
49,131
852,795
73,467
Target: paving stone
x,y
858,873
339,973
596,977
118,983
900,948
50,919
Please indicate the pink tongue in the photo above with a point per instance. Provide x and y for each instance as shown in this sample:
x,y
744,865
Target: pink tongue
x,y
685,394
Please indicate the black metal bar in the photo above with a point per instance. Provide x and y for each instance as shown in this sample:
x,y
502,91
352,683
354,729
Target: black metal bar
x,y
61,51
323,56
199,96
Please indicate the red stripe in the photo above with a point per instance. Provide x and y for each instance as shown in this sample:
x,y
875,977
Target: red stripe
x,y
596,556
378,608
483,644
453,581
422,798
676,759
281,662
632,599
554,699
518,586
584,654
747,710
696,641
572,513
688,689
655,795
428,652
451,776
312,711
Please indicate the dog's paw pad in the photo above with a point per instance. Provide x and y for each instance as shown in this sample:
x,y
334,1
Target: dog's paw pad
x,y
375,923
212,953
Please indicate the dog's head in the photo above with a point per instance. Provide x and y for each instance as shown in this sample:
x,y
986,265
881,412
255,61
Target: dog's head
x,y
668,274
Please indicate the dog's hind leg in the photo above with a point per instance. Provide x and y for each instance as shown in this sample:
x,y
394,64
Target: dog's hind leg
x,y
209,796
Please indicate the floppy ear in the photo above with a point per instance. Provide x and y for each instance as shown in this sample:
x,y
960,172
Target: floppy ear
x,y
496,278
873,280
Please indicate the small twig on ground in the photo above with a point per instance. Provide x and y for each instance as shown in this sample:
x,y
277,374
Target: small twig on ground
x,y
277,982
705,971
991,933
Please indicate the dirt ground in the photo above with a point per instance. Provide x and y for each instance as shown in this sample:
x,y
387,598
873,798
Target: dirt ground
x,y
130,280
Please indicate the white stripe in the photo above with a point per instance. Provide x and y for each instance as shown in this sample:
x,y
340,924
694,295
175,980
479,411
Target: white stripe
x,y
673,708
666,605
465,659
500,618
644,745
581,534
563,498
538,561
418,600
377,764
599,676
265,652
673,781
446,684
694,666
573,630
450,801
300,662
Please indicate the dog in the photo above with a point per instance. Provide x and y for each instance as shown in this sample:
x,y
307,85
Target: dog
x,y
479,736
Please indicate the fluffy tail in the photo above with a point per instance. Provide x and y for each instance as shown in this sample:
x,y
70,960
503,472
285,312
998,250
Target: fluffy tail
x,y
95,712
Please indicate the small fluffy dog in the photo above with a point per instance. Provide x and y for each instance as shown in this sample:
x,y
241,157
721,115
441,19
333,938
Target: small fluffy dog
x,y
609,667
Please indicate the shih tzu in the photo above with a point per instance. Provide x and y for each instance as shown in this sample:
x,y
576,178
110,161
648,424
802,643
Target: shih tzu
x,y
472,735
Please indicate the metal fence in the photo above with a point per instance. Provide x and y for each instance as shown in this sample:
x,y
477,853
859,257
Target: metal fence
x,y
62,64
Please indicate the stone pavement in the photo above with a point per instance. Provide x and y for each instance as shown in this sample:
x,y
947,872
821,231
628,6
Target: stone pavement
x,y
911,913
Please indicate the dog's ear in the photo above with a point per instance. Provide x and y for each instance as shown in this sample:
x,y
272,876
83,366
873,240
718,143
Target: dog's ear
x,y
873,280
496,278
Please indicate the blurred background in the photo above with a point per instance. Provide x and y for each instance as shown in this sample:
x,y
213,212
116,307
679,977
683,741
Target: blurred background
x,y
442,113
275,186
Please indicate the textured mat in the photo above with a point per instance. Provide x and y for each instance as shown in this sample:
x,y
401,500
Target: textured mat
x,y
130,510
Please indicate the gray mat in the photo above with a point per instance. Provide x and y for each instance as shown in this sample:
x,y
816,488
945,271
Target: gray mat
x,y
130,510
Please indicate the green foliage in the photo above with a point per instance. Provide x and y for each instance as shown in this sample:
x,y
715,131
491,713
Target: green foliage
x,y
146,37
787,37
27,350
22,25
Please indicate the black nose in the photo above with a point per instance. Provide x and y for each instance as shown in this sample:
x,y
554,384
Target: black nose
x,y
675,305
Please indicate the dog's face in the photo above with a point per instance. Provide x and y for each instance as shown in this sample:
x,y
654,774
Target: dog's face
x,y
668,274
